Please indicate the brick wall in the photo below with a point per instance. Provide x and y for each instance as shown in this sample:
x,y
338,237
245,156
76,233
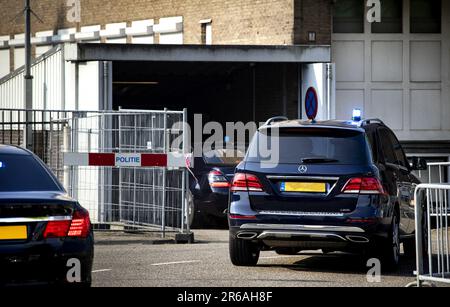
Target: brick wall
x,y
312,16
270,22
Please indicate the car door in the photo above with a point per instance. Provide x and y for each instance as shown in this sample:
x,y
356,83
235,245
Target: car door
x,y
407,182
396,178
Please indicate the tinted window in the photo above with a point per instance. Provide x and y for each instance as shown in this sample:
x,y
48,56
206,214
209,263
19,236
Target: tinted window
x,y
333,146
387,146
348,16
399,154
426,16
24,173
391,17
373,145
223,157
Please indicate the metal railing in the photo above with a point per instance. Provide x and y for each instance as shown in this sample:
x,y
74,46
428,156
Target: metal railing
x,y
150,198
432,233
442,171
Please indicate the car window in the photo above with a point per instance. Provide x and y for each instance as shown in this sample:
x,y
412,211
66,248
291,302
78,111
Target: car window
x,y
223,157
25,174
390,148
398,150
386,146
293,145
373,145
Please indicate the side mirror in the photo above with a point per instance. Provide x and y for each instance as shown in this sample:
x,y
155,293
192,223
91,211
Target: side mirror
x,y
419,164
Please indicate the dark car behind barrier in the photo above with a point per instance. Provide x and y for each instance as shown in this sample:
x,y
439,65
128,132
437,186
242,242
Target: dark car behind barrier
x,y
210,183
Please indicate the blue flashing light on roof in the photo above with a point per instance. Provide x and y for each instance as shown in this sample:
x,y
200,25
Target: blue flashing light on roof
x,y
2,165
356,115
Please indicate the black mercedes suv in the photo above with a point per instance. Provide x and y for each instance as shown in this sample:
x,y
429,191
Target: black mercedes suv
x,y
329,185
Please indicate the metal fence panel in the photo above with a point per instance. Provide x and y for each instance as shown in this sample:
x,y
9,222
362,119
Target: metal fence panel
x,y
432,212
149,197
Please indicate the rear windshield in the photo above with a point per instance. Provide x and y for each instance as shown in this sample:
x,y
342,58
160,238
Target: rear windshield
x,y
25,174
295,146
224,157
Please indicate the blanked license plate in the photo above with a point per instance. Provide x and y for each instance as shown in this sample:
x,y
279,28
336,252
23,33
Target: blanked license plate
x,y
303,187
13,233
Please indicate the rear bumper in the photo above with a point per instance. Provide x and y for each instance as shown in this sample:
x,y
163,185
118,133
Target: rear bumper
x,y
266,232
46,261
307,236
215,204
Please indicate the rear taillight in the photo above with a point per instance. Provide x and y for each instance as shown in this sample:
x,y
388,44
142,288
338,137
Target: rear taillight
x,y
79,226
218,180
246,182
56,229
363,185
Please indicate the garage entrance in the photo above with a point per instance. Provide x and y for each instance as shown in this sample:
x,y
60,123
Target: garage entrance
x,y
220,91
223,83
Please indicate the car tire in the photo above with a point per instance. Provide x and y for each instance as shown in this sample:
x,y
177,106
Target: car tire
x,y
288,251
243,252
391,246
191,218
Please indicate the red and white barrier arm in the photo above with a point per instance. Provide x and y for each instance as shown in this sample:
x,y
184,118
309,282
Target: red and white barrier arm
x,y
170,160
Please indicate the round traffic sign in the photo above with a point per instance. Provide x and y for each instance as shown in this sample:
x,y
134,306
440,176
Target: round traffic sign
x,y
311,103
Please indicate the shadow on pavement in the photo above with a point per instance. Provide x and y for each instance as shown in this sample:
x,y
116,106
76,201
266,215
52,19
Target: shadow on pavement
x,y
343,264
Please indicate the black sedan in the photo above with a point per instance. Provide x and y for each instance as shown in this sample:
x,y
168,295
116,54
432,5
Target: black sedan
x,y
45,236
210,183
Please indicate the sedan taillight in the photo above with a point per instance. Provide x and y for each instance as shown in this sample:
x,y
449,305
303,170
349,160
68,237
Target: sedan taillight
x,y
246,182
56,229
79,226
218,180
363,185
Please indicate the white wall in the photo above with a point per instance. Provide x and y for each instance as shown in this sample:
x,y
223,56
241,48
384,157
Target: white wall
x,y
4,57
47,86
4,62
167,34
141,26
40,50
117,33
313,75
19,57
401,78
321,77
89,86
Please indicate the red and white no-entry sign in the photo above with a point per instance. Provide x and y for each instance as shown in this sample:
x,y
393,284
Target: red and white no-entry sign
x,y
175,160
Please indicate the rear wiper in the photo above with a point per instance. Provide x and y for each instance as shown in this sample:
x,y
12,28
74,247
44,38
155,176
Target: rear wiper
x,y
319,160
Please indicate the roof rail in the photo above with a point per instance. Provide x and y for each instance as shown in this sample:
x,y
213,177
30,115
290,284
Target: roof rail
x,y
276,119
372,121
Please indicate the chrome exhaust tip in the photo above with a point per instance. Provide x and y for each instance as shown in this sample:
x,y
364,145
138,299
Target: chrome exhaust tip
x,y
357,239
246,235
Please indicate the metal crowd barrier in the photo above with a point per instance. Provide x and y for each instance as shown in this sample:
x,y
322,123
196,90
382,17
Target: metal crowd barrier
x,y
151,195
432,212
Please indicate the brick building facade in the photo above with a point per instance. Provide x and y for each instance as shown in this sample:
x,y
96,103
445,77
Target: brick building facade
x,y
398,70
258,22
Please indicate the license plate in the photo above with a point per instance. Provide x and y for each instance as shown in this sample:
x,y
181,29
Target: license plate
x,y
13,233
303,187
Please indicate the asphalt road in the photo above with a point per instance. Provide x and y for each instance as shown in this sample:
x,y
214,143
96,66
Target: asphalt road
x,y
126,263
